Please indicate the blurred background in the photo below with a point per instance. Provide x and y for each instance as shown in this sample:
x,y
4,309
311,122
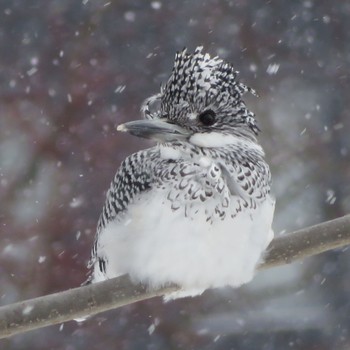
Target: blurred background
x,y
72,70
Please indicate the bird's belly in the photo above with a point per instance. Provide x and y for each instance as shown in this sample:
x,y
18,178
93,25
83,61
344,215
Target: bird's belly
x,y
157,245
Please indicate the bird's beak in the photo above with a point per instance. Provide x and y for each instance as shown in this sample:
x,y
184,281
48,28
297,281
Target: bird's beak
x,y
159,130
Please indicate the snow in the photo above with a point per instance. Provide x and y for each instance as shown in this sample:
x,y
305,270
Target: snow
x,y
203,331
216,338
93,62
34,61
272,68
331,198
253,67
156,5
130,16
12,83
41,259
76,202
52,92
338,126
344,151
32,71
8,249
153,326
27,309
326,19
120,89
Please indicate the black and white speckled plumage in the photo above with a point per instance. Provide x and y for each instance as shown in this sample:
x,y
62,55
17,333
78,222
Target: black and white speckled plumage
x,y
216,174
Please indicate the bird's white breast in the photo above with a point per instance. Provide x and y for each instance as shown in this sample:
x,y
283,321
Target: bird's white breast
x,y
157,245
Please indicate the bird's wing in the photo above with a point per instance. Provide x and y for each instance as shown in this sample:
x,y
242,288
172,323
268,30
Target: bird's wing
x,y
133,177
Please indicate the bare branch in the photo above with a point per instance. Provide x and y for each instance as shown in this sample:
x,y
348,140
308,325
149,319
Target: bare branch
x,y
89,300
71,304
308,241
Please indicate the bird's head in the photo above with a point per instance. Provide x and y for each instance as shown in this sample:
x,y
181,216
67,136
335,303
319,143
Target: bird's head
x,y
201,103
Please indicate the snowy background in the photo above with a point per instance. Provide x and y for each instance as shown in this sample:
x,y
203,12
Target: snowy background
x,y
71,70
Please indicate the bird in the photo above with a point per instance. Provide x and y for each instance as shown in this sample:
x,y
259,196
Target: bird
x,y
196,209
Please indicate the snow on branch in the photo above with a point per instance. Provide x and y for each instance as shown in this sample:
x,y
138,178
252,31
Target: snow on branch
x,y
90,300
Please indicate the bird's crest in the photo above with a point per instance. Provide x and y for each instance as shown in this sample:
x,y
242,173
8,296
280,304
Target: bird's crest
x,y
199,81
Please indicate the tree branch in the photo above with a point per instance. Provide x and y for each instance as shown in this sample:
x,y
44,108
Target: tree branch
x,y
89,300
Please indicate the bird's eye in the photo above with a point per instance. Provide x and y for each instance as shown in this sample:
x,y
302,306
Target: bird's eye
x,y
207,118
